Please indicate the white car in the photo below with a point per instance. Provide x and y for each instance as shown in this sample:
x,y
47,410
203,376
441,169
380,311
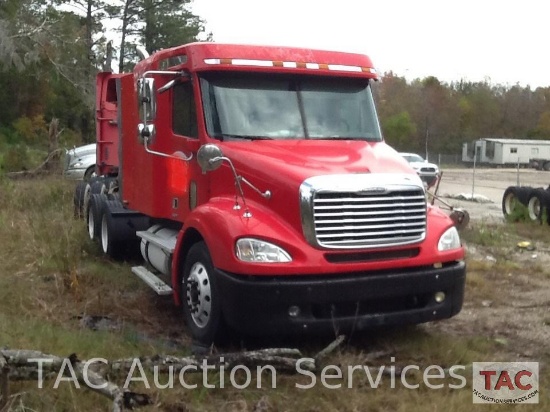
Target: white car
x,y
80,162
428,172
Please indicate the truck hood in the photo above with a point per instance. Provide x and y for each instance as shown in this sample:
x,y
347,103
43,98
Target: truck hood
x,y
291,162
82,150
281,167
420,165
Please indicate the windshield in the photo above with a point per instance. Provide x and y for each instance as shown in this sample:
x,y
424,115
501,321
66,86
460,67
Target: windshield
x,y
412,158
267,106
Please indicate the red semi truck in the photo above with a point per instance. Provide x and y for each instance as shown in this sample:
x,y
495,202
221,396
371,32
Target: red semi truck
x,y
262,195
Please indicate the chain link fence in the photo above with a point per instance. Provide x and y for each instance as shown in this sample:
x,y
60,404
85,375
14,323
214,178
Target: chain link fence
x,y
447,159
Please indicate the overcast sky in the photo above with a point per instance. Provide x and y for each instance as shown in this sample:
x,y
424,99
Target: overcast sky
x,y
505,42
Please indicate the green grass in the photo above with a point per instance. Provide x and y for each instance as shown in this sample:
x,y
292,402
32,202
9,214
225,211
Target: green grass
x,y
52,274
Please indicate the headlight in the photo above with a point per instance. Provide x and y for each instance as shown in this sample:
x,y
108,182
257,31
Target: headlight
x,y
256,250
449,240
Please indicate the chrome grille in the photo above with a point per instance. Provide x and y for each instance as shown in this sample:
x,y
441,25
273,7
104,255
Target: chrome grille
x,y
68,158
378,216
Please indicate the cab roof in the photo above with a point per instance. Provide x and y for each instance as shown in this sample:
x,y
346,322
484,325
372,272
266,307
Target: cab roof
x,y
204,56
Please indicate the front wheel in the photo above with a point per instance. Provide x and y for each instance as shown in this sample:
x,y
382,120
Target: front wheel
x,y
200,296
90,173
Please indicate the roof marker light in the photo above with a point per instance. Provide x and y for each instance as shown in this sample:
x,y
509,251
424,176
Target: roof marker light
x,y
249,62
344,68
292,65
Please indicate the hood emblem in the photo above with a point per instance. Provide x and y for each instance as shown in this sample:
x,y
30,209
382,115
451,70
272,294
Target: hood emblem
x,y
373,191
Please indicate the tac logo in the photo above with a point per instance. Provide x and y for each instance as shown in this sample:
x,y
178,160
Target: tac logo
x,y
505,382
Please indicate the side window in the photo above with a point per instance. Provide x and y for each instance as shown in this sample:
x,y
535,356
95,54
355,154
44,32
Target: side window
x,y
184,115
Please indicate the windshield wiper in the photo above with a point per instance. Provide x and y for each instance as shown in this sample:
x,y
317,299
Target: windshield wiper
x,y
367,139
241,136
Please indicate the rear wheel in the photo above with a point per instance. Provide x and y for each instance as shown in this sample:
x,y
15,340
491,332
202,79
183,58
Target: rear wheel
x,y
99,186
118,229
200,296
86,198
109,245
94,214
79,198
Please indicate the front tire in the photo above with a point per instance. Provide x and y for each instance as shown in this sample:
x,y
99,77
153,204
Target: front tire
x,y
90,173
200,296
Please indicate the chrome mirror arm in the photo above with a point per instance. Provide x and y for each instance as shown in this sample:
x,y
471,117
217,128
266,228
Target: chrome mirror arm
x,y
153,152
265,195
237,178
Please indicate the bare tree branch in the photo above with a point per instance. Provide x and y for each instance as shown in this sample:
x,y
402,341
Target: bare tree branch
x,y
31,33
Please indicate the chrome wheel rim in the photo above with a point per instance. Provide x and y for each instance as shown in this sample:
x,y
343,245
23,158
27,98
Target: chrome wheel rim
x,y
91,224
199,295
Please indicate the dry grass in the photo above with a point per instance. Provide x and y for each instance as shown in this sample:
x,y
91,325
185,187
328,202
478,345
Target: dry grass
x,y
52,274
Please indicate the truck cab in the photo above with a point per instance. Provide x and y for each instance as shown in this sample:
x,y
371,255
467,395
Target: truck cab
x,y
264,198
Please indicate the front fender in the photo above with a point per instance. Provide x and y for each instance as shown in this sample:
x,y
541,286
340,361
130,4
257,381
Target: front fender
x,y
221,225
438,223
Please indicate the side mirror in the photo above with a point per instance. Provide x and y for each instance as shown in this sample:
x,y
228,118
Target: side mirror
x,y
209,157
146,132
147,99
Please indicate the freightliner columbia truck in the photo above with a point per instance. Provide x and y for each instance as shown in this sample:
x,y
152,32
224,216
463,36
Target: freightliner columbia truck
x,y
258,186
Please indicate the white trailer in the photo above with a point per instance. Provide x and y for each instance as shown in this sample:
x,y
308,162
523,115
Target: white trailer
x,y
508,152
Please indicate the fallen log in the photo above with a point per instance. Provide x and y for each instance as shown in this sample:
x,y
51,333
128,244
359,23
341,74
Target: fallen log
x,y
4,382
35,365
43,169
31,365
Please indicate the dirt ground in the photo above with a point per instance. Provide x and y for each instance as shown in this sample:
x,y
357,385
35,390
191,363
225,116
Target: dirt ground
x,y
517,312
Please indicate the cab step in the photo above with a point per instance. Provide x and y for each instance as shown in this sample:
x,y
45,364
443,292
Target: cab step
x,y
152,280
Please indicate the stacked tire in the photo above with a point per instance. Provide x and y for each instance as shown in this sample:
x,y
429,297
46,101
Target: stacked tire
x,y
514,198
538,205
525,201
